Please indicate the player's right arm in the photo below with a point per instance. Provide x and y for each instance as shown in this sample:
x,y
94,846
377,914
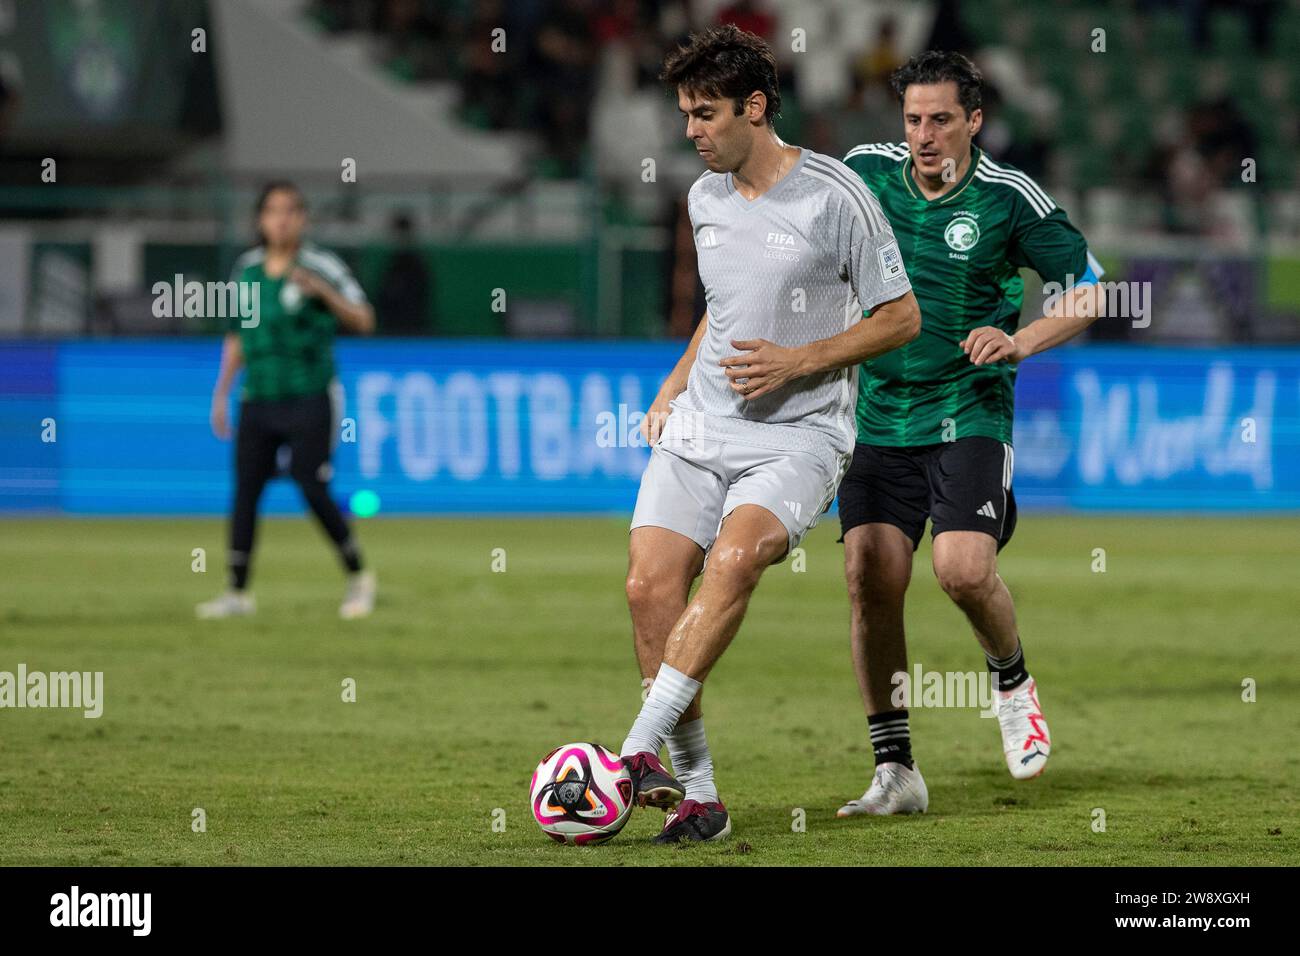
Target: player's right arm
x,y
232,360
653,423
1044,239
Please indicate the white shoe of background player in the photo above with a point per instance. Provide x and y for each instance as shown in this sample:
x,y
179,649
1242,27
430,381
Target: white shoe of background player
x,y
894,789
359,599
229,604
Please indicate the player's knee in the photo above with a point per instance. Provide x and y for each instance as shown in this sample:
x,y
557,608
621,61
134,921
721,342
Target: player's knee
x,y
872,581
965,581
870,587
311,476
646,589
312,489
738,566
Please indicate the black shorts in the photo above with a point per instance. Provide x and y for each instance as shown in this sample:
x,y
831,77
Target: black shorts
x,y
962,485
305,424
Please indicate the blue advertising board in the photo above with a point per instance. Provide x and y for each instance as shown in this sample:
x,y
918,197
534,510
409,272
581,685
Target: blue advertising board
x,y
443,427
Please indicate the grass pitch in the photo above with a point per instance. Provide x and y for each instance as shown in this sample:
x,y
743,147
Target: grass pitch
x,y
465,677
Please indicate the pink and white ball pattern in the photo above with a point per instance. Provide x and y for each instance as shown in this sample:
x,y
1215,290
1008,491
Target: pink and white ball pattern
x,y
608,797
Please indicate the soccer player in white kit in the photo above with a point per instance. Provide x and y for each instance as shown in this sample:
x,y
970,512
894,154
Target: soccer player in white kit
x,y
753,429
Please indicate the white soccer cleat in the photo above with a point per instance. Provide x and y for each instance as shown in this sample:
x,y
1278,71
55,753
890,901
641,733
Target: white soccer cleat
x,y
359,599
894,789
1025,740
229,604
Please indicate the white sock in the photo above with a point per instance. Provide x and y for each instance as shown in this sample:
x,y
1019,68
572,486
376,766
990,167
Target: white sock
x,y
668,699
692,763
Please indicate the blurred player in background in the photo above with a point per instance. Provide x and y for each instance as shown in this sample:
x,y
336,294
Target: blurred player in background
x,y
934,417
289,394
753,429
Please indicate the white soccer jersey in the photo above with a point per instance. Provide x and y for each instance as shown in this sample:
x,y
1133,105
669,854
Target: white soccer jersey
x,y
797,264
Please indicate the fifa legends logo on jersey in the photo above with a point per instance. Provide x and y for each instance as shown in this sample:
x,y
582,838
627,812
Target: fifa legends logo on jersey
x,y
781,246
962,233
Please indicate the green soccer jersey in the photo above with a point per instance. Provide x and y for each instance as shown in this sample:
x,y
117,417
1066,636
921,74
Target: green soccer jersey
x,y
962,251
289,350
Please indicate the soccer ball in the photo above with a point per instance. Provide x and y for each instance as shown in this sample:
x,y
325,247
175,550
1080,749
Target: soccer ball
x,y
581,793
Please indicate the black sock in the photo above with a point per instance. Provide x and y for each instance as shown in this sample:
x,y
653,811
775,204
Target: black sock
x,y
238,565
891,740
1009,671
351,556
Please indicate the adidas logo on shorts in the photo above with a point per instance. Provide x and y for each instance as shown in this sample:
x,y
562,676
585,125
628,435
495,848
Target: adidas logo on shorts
x,y
987,511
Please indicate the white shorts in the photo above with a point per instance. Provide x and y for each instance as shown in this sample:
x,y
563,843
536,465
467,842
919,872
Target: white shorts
x,y
692,484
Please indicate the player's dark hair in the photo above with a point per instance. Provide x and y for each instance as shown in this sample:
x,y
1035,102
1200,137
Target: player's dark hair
x,y
941,66
725,62
274,186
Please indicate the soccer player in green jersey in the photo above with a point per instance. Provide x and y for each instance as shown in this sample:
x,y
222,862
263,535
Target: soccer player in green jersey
x,y
288,391
934,416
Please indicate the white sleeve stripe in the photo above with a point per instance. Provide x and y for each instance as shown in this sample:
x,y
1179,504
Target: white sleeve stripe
x,y
850,184
328,266
892,157
992,176
311,248
315,252
341,280
1043,199
886,150
1043,207
874,149
1029,197
1023,177
246,259
335,271
896,147
997,170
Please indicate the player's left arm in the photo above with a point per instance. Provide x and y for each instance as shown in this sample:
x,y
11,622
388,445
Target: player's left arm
x,y
348,305
1053,248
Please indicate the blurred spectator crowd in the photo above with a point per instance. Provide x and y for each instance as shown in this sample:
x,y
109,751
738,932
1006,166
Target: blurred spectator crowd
x,y
1170,97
